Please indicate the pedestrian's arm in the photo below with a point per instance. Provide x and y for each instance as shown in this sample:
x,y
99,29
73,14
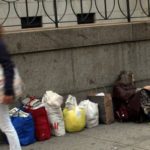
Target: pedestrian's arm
x,y
8,67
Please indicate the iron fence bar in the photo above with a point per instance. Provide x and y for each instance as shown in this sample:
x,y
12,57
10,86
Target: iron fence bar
x,y
143,8
46,12
55,13
72,8
114,4
131,13
14,3
99,10
82,10
7,14
128,11
64,11
148,1
121,9
105,5
81,6
106,16
27,9
38,6
91,4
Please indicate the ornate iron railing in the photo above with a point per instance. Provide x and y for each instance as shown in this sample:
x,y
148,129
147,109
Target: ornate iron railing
x,y
70,10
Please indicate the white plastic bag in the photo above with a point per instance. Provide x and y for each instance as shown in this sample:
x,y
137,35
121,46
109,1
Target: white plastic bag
x,y
18,84
70,102
92,113
52,99
53,102
56,120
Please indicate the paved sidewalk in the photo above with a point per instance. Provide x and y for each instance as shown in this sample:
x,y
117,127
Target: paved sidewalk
x,y
117,136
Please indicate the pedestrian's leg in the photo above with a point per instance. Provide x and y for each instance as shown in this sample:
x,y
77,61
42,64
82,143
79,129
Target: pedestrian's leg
x,y
7,127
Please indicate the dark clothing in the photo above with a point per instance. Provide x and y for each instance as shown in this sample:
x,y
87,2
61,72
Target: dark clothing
x,y
8,67
126,96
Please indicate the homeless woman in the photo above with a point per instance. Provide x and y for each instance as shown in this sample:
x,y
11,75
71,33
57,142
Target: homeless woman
x,y
127,99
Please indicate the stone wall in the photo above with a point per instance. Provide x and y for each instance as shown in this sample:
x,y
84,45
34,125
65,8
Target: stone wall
x,y
79,60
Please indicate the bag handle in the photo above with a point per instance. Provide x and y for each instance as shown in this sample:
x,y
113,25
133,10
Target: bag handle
x,y
16,113
31,99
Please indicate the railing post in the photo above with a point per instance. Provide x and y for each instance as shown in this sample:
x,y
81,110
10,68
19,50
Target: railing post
x,y
27,11
148,7
55,13
105,4
128,11
81,4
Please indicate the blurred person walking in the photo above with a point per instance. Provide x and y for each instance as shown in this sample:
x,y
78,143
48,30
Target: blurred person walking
x,y
5,123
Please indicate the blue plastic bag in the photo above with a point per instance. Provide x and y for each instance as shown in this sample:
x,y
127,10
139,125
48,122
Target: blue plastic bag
x,y
25,129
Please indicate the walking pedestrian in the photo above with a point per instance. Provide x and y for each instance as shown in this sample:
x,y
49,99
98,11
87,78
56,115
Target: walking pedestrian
x,y
5,123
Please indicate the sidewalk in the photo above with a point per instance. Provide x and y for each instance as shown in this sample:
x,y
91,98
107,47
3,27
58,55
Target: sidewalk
x,y
117,136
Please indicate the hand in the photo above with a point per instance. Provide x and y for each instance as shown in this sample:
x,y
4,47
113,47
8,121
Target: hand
x,y
147,87
7,99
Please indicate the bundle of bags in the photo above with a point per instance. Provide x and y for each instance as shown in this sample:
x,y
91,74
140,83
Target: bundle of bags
x,y
40,119
78,116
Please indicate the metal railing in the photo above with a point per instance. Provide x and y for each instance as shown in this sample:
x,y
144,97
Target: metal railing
x,y
127,9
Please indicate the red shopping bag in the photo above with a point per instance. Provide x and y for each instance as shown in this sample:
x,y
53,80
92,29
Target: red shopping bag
x,y
42,126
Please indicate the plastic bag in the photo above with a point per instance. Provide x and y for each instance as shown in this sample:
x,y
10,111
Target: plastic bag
x,y
52,99
53,102
32,102
92,113
56,120
42,126
106,114
70,102
74,117
18,84
24,125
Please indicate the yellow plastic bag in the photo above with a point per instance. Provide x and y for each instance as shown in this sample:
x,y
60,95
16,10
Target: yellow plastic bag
x,y
75,119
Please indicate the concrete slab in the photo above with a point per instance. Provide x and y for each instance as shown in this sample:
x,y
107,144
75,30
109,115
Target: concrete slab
x,y
117,136
140,31
54,39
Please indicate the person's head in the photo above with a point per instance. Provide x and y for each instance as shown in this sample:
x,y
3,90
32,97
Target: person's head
x,y
126,77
